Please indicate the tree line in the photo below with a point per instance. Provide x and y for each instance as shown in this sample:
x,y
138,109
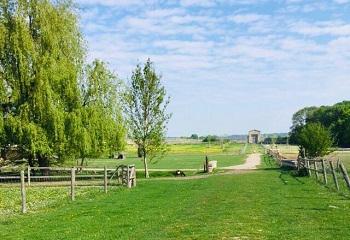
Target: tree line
x,y
319,128
55,105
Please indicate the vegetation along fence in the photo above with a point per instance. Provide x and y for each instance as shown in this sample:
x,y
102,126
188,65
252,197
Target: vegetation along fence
x,y
325,171
123,175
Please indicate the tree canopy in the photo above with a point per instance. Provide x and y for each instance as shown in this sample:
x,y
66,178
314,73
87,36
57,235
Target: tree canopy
x,y
43,108
336,118
315,140
145,107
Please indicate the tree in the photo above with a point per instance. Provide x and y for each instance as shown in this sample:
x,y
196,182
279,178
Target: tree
x,y
315,140
194,136
336,118
97,126
299,119
210,138
50,110
41,58
145,108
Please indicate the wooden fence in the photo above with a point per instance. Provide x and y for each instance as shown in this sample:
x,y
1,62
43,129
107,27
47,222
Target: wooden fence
x,y
124,175
325,171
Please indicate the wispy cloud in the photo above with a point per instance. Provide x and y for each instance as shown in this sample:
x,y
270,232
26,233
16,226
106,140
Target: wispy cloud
x,y
223,61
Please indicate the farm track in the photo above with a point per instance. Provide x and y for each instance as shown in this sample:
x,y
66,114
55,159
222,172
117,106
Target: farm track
x,y
252,161
229,172
250,165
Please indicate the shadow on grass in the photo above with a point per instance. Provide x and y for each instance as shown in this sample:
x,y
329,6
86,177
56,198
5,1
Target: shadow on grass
x,y
286,172
290,172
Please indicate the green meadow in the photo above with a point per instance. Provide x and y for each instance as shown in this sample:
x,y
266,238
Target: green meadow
x,y
184,156
264,204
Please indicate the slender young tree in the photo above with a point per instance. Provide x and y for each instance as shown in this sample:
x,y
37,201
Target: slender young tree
x,y
145,107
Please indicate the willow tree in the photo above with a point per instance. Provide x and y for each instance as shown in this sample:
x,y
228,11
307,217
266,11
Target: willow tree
x,y
145,107
41,58
97,126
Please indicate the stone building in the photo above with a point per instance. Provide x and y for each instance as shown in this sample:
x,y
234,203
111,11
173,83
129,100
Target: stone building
x,y
254,136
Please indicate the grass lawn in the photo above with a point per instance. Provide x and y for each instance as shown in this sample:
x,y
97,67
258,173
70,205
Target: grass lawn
x,y
184,156
266,204
344,156
288,151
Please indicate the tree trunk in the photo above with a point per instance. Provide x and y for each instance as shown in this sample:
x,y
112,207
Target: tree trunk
x,y
145,166
43,162
139,152
31,160
206,164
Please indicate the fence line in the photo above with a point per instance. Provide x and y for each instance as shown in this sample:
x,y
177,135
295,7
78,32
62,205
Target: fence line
x,y
46,176
315,167
327,167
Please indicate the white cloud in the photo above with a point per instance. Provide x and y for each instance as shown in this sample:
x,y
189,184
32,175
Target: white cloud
x,y
248,18
202,3
212,54
335,28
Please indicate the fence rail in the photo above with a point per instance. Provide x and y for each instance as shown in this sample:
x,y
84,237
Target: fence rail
x,y
124,175
320,168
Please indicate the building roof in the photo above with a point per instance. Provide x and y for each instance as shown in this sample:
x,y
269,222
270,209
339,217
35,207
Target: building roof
x,y
254,130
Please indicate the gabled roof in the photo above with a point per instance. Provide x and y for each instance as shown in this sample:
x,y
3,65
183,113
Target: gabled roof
x,y
254,130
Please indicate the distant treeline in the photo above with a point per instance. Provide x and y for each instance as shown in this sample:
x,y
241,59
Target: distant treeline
x,y
336,118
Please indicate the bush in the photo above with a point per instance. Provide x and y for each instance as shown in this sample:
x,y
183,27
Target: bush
x,y
211,139
315,140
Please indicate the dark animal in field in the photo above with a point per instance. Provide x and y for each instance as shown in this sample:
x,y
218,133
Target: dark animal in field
x,y
179,173
121,156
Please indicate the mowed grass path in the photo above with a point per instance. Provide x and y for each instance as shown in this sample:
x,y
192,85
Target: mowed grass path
x,y
184,156
266,204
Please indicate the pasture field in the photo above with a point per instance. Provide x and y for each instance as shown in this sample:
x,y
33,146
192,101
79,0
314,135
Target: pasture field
x,y
184,156
265,204
289,151
292,151
344,156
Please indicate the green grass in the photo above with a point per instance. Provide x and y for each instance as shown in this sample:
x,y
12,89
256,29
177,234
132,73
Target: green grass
x,y
184,156
344,156
38,198
267,204
173,161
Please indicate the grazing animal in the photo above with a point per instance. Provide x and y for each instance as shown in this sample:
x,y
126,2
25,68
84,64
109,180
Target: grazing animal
x,y
179,173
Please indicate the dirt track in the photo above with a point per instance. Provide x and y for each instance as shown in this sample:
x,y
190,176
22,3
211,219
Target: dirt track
x,y
251,162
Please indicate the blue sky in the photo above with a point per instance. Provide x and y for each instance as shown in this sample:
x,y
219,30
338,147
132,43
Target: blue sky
x,y
229,66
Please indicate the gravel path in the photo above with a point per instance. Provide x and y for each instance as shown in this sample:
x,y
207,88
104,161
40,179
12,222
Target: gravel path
x,y
252,162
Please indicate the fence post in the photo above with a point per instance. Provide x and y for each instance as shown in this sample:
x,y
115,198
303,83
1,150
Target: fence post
x,y
23,193
128,177
134,176
105,179
72,184
334,175
338,162
28,174
316,170
308,167
345,174
324,172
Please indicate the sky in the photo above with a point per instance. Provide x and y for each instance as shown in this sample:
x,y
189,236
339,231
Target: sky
x,y
228,65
